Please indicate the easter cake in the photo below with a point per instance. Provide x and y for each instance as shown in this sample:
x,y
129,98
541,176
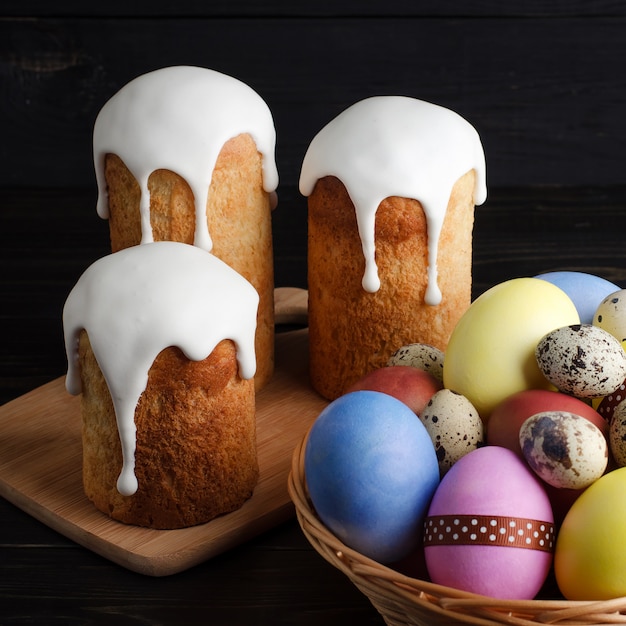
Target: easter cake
x,y
187,154
160,341
391,185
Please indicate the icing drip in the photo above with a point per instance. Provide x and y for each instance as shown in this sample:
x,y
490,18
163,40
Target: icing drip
x,y
178,118
396,146
141,300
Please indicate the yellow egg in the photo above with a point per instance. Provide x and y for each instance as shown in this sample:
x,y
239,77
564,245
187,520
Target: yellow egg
x,y
590,556
491,353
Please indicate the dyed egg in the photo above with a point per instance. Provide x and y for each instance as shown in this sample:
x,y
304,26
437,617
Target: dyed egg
x,y
591,546
371,470
582,360
491,352
420,355
611,314
507,418
617,434
413,386
490,527
585,290
564,449
454,426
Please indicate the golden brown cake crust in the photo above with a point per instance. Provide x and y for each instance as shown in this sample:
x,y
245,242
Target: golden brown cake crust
x,y
352,331
238,218
196,455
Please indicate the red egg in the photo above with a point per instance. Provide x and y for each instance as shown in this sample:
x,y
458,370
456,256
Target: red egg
x,y
561,500
507,418
413,386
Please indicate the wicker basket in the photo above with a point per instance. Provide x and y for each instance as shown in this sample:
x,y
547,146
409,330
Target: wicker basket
x,y
402,600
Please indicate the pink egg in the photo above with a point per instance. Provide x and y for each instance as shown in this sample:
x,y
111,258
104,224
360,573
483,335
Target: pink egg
x,y
490,527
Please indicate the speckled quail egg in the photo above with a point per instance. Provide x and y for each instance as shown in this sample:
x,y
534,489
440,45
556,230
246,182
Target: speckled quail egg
x,y
454,426
564,449
582,360
617,434
611,315
420,355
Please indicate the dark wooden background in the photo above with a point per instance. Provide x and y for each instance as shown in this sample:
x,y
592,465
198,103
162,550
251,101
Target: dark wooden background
x,y
543,82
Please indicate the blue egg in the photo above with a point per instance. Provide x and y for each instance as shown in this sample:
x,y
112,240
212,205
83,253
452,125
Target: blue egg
x,y
371,471
586,291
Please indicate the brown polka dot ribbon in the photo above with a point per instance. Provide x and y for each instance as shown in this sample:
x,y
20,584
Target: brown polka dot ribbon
x,y
488,530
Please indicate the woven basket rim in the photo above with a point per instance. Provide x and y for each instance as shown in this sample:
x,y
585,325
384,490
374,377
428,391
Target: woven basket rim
x,y
401,599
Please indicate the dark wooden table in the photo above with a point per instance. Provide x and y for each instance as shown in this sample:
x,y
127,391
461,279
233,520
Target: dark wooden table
x,y
48,237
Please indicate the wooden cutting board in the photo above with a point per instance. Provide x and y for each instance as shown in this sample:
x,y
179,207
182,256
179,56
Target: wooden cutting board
x,y
41,456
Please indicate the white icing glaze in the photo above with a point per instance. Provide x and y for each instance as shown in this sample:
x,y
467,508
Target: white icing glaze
x,y
179,118
396,146
141,300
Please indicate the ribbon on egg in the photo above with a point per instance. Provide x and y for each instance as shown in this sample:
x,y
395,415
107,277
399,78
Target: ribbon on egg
x,y
488,530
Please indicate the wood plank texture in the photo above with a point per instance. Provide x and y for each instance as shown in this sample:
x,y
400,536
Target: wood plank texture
x,y
40,471
327,8
546,90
